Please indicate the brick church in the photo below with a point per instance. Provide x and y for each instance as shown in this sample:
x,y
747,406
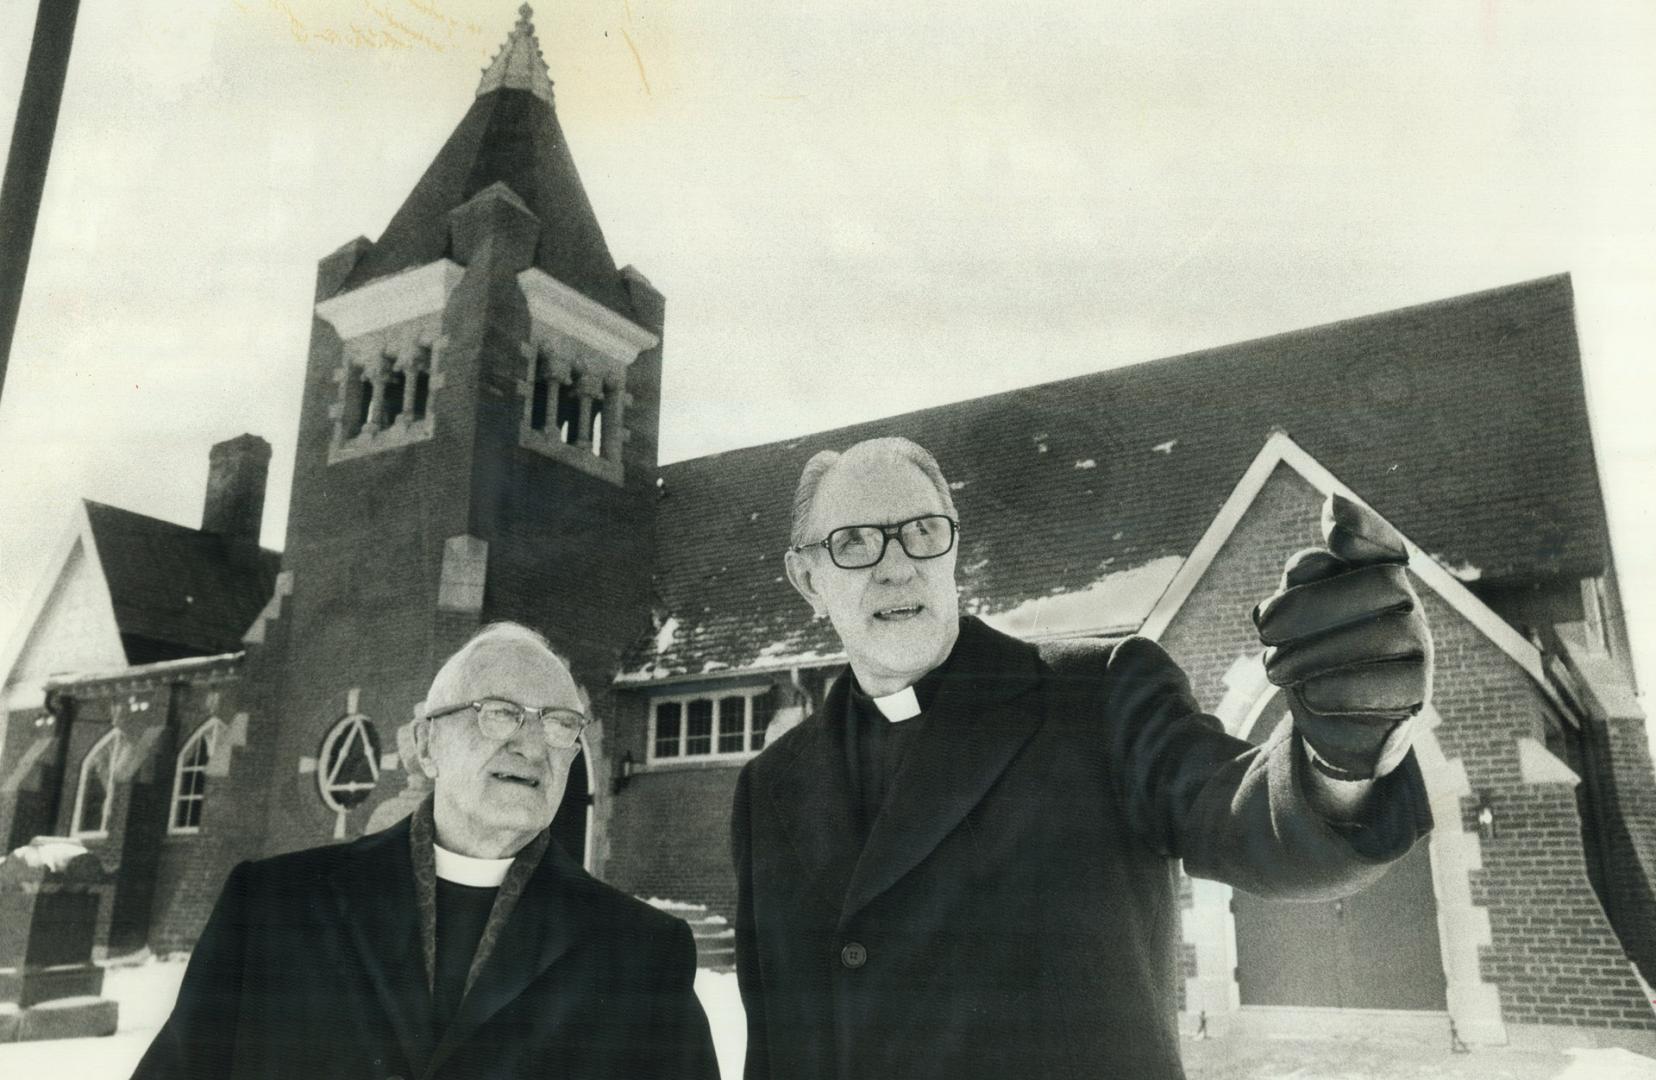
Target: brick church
x,y
478,441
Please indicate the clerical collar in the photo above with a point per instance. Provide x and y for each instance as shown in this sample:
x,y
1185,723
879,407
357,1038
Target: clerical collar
x,y
466,870
906,703
903,705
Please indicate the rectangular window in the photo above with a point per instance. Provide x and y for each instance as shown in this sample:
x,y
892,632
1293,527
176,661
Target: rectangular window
x,y
732,724
667,729
698,728
764,707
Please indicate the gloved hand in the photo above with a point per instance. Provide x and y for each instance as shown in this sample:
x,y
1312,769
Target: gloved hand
x,y
1347,641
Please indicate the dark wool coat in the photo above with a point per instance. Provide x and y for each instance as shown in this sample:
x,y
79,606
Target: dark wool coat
x,y
1015,910
311,966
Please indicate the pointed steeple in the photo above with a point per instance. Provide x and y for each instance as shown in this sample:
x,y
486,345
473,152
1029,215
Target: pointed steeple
x,y
519,64
509,136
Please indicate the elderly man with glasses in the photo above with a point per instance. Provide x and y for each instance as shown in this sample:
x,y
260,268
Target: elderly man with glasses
x,y
964,864
460,942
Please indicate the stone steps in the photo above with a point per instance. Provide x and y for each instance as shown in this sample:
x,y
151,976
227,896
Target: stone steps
x,y
715,937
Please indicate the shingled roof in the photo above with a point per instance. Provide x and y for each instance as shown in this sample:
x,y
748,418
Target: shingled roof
x,y
178,591
1464,421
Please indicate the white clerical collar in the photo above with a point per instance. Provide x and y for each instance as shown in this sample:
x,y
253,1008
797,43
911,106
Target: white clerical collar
x,y
903,705
466,870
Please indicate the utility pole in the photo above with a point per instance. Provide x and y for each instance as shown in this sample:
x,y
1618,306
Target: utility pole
x,y
31,150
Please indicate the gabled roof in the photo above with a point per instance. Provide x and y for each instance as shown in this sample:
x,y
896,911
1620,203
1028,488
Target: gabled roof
x,y
1463,420
510,136
1281,450
178,591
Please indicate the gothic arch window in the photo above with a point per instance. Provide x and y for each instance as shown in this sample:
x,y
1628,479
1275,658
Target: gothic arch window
x,y
97,787
189,793
348,768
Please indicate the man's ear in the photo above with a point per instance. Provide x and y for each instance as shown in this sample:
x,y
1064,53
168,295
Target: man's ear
x,y
422,746
800,573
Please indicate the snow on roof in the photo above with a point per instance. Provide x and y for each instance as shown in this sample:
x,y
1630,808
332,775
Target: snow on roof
x,y
1463,421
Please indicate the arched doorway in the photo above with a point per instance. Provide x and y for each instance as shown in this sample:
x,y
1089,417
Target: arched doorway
x,y
569,825
1377,949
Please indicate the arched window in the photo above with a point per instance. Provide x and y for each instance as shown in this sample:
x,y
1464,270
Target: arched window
x,y
348,768
97,787
190,778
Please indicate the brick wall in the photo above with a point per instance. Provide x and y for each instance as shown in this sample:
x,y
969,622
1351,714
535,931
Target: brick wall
x,y
31,767
671,836
1553,955
191,867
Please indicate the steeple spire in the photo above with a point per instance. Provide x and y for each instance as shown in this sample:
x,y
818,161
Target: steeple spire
x,y
519,65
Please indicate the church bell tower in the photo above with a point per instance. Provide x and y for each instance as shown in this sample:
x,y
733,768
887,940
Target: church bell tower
x,y
477,442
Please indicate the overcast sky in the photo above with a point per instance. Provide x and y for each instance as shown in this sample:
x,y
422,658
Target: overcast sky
x,y
853,208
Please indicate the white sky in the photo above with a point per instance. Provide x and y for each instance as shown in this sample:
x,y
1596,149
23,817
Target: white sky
x,y
853,209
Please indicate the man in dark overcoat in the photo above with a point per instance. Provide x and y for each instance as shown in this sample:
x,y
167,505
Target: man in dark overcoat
x,y
964,863
458,943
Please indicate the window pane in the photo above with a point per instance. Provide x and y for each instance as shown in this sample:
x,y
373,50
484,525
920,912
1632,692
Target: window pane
x,y
731,721
667,729
187,812
192,782
92,804
698,728
764,707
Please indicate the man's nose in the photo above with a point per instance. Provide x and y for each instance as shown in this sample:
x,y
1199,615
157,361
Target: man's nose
x,y
528,740
895,563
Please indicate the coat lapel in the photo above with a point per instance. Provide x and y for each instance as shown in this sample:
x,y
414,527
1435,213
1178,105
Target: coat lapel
x,y
374,893
810,794
547,921
968,735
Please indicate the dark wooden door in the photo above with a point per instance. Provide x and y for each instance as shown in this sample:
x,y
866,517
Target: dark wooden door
x,y
1377,949
569,825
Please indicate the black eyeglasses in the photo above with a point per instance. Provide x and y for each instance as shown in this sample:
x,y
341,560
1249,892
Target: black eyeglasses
x,y
498,718
856,547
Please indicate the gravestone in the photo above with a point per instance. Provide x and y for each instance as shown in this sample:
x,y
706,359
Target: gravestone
x,y
51,891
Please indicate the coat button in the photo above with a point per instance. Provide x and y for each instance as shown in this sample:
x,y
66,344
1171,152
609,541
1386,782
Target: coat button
x,y
853,955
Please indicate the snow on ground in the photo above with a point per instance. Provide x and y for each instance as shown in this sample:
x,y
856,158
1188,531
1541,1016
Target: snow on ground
x,y
146,991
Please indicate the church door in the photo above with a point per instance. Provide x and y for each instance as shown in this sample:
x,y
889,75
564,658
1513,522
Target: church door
x,y
569,826
1377,949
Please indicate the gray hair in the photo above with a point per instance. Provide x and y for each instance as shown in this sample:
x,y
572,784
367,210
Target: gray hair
x,y
502,633
889,447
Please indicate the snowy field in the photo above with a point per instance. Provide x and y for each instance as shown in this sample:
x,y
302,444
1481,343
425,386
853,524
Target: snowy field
x,y
145,993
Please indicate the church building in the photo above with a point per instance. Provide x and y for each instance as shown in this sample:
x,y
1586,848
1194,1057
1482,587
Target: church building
x,y
478,441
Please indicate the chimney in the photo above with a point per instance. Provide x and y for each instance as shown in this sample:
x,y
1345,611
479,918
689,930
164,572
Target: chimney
x,y
236,471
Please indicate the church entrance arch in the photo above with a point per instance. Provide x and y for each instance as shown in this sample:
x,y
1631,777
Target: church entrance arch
x,y
1378,949
570,824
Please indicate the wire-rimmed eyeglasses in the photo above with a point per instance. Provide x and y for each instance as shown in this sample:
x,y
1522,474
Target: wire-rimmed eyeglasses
x,y
498,718
856,547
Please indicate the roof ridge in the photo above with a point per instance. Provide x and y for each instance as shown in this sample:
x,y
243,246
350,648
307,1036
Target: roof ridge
x,y
1390,314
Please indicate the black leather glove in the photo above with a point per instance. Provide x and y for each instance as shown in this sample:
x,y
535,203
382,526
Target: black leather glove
x,y
1347,641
